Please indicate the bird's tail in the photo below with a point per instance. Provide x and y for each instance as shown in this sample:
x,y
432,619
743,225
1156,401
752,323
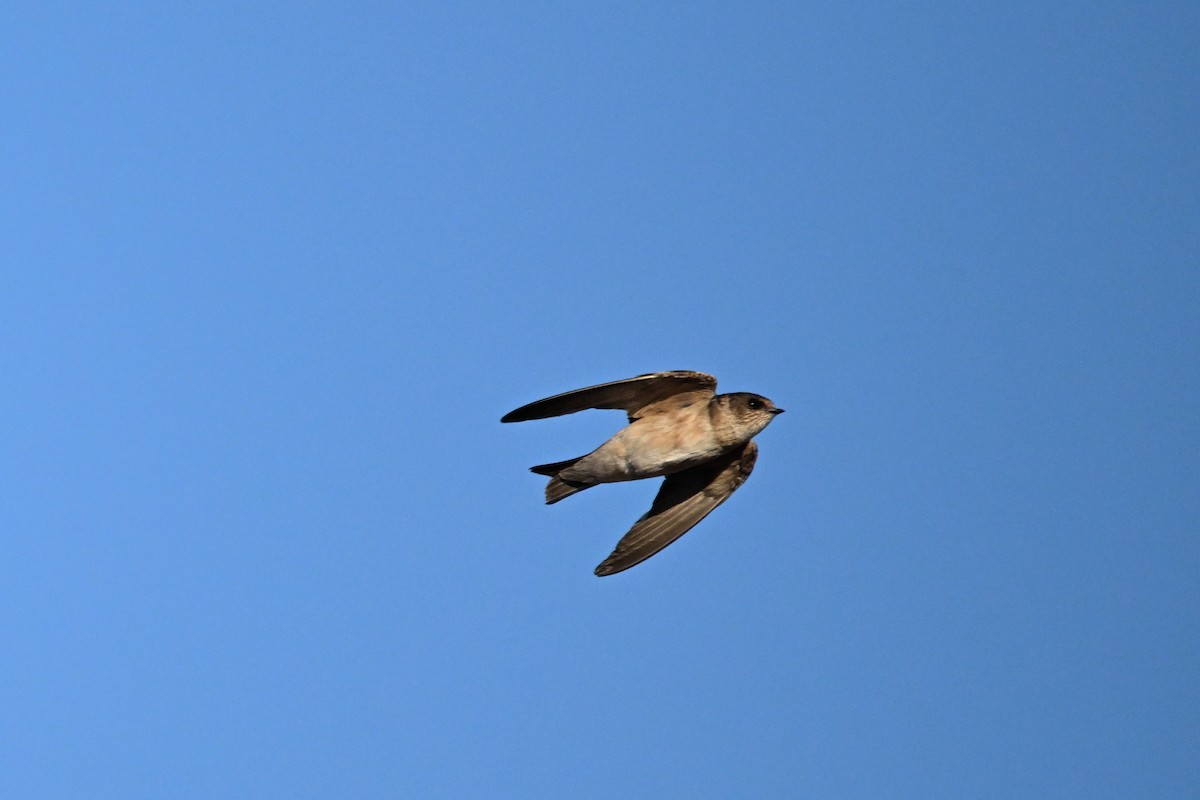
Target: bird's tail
x,y
558,489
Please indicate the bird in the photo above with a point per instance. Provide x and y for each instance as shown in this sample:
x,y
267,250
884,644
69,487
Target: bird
x,y
680,429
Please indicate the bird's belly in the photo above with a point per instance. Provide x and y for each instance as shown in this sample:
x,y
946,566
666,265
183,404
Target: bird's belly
x,y
649,448
665,448
640,466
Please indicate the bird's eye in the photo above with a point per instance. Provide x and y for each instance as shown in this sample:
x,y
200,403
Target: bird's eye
x,y
754,403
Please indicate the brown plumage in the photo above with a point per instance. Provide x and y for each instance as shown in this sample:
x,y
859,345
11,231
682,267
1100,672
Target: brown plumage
x,y
679,428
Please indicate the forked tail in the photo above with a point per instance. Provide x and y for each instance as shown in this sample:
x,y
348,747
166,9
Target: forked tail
x,y
557,488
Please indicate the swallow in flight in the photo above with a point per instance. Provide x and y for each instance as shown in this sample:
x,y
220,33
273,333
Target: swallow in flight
x,y
680,428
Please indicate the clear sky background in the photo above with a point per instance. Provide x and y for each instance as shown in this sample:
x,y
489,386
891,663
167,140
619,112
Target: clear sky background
x,y
271,273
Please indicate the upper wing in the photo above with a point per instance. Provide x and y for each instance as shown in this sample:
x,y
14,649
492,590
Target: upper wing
x,y
684,499
631,394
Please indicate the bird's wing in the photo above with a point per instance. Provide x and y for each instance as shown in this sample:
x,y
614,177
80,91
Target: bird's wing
x,y
633,395
684,499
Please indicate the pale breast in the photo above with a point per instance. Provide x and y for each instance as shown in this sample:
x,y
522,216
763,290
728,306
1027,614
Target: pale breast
x,y
666,442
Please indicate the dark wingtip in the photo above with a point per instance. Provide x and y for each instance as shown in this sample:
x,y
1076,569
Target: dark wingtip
x,y
609,567
521,414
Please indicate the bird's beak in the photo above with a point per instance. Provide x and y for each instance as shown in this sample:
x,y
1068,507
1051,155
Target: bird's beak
x,y
776,410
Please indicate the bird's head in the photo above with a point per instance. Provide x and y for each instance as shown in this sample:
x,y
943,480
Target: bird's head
x,y
751,412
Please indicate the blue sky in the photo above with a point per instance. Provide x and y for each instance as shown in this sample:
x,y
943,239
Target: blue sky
x,y
271,273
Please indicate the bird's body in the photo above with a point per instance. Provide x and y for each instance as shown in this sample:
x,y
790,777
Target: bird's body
x,y
678,427
654,445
